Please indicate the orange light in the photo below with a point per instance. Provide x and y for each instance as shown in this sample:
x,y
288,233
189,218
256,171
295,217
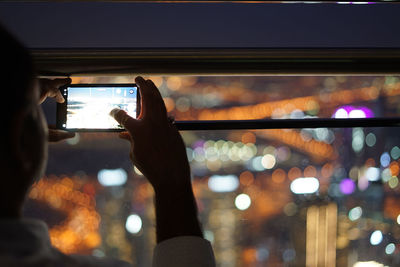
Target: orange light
x,y
157,80
249,255
310,171
246,178
370,162
327,170
92,239
319,150
76,79
174,83
294,173
394,168
306,103
278,176
169,104
79,232
248,137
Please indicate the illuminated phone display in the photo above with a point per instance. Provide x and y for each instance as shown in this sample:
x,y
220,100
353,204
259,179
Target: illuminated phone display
x,y
88,107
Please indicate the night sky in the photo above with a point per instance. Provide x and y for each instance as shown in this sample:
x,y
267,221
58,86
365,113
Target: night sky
x,y
202,25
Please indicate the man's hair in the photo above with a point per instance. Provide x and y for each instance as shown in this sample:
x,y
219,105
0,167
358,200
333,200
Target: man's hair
x,y
16,74
16,83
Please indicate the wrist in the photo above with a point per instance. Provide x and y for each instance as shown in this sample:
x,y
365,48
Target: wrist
x,y
176,213
173,191
171,183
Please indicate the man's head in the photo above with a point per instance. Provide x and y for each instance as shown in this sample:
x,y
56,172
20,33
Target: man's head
x,y
24,145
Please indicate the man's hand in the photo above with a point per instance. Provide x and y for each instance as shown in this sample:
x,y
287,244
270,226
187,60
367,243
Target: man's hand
x,y
158,151
50,88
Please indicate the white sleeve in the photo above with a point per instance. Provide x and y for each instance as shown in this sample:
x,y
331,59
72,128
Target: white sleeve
x,y
184,251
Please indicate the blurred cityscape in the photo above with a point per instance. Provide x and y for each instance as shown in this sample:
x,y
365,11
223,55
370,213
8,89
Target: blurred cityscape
x,y
284,197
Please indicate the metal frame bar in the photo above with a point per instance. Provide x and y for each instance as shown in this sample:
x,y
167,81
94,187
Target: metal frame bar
x,y
286,124
217,61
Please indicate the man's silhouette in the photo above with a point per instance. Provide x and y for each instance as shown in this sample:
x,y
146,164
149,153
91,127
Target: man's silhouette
x,y
157,150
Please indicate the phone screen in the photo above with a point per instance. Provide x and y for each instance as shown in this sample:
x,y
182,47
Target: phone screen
x,y
88,107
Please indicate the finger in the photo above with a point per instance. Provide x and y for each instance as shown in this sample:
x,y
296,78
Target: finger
x,y
152,103
59,97
50,88
141,83
158,100
59,135
124,119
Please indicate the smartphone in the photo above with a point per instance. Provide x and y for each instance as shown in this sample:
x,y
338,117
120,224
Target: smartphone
x,y
87,106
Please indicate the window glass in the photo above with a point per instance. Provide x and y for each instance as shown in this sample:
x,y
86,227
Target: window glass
x,y
265,197
258,97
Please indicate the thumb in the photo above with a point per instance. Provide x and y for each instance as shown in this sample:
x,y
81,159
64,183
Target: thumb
x,y
59,135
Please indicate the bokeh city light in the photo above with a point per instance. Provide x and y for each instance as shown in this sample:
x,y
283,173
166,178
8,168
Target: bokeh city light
x,y
278,197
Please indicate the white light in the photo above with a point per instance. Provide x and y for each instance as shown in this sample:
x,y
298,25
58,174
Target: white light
x,y
376,238
268,161
242,202
395,152
321,133
306,185
355,213
341,114
372,174
115,177
358,139
189,153
357,113
386,175
390,248
137,171
223,183
133,224
209,235
367,264
256,164
398,219
370,139
198,154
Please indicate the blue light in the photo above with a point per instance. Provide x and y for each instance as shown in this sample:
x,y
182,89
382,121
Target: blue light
x,y
390,248
385,159
376,238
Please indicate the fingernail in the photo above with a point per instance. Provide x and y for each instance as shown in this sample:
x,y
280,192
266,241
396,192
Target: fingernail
x,y
114,112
